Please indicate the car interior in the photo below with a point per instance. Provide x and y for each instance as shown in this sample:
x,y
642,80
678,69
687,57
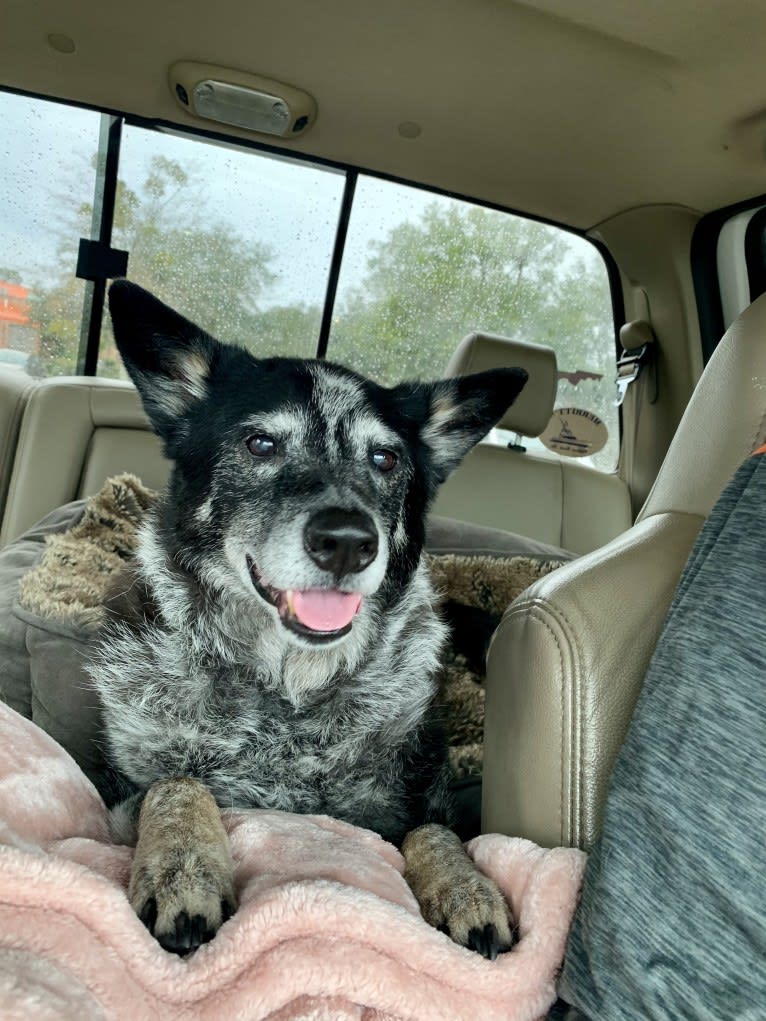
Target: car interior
x,y
419,189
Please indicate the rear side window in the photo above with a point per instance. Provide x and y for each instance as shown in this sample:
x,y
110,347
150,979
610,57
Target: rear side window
x,y
421,271
237,241
47,180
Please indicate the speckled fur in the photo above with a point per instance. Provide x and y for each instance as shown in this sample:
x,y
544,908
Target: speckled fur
x,y
197,674
224,696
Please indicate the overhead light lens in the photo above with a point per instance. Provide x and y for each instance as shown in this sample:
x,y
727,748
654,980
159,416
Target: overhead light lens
x,y
241,107
243,100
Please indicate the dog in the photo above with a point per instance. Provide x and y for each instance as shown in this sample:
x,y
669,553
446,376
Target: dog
x,y
274,642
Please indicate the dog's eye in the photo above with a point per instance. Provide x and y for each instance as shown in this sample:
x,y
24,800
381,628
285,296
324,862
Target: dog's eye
x,y
262,446
384,460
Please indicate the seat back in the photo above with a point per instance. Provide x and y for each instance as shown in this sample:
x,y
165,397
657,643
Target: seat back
x,y
76,432
567,662
539,495
15,388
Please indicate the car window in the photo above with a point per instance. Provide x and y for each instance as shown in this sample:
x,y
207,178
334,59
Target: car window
x,y
420,271
13,357
238,241
47,179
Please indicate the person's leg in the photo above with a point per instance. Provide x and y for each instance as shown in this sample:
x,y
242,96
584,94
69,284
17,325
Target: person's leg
x,y
672,922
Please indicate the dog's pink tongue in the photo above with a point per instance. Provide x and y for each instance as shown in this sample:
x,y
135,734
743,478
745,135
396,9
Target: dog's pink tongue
x,y
325,609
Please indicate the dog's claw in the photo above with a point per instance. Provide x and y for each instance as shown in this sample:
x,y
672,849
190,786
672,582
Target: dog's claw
x,y
189,934
488,942
186,933
201,930
148,914
484,941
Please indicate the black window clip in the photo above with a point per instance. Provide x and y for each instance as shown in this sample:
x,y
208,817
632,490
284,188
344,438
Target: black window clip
x,y
98,261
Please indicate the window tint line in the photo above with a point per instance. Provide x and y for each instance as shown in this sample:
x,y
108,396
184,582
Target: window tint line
x,y
337,259
104,198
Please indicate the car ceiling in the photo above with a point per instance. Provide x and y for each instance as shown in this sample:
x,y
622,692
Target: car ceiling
x,y
571,111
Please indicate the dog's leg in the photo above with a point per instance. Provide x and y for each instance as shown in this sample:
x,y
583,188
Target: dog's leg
x,y
182,881
453,895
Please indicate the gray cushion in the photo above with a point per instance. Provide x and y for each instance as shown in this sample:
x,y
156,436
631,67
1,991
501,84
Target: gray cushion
x,y
42,673
445,535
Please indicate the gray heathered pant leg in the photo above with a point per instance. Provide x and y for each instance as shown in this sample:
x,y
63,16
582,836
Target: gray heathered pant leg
x,y
672,922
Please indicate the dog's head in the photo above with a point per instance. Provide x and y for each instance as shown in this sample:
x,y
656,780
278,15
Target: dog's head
x,y
296,482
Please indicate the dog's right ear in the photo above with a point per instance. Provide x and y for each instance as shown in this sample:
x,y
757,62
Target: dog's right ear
x,y
168,358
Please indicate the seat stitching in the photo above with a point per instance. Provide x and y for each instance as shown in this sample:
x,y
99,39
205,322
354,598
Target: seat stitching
x,y
537,609
561,615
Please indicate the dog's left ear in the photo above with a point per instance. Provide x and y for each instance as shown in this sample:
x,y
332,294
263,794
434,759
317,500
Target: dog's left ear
x,y
168,358
464,409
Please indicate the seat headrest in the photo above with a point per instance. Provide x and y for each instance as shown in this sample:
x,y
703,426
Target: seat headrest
x,y
532,410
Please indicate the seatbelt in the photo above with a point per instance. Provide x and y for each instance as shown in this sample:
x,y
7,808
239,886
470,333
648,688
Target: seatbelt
x,y
636,371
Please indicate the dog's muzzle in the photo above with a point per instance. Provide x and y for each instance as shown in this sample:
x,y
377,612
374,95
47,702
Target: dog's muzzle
x,y
342,543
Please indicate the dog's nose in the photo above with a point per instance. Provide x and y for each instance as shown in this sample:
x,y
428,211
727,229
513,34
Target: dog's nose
x,y
341,541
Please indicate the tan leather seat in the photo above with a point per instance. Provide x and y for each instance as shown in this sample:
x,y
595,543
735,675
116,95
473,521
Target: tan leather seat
x,y
15,388
567,662
75,432
540,495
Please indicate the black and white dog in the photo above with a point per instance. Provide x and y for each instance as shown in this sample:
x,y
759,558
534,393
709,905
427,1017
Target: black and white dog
x,y
275,642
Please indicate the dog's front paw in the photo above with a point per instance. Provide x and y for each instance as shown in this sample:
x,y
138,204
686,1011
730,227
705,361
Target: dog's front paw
x,y
453,895
182,903
182,880
473,912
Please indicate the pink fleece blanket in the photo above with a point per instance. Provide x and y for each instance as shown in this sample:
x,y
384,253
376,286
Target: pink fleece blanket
x,y
326,927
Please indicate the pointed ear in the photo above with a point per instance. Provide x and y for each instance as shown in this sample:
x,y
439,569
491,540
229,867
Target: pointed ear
x,y
464,409
168,358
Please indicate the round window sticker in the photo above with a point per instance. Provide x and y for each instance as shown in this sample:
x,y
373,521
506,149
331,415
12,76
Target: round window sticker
x,y
574,432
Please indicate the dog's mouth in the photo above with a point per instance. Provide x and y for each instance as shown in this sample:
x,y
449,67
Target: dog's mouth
x,y
320,614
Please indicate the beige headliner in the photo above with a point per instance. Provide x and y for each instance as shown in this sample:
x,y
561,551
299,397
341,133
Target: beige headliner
x,y
571,109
